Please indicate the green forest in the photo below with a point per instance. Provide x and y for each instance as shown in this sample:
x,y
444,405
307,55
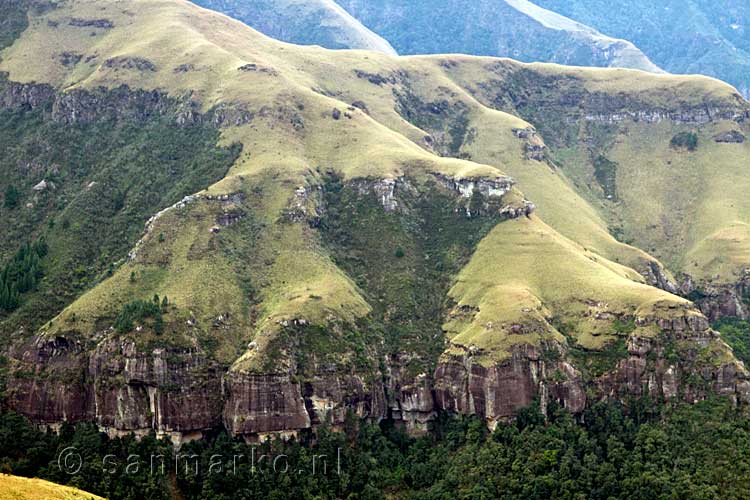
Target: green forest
x,y
21,274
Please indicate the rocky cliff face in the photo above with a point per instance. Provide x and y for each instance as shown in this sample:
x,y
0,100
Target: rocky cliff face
x,y
668,366
180,393
119,104
176,392
257,405
718,301
498,391
560,106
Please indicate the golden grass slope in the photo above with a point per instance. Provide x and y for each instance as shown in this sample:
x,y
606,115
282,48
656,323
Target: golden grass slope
x,y
517,297
691,209
178,257
685,208
21,488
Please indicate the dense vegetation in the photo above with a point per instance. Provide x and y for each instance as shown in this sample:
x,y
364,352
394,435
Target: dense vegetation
x,y
736,333
139,310
102,181
404,259
13,21
605,172
700,451
21,274
686,140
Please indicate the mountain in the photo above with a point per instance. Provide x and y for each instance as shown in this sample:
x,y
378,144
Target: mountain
x,y
337,233
695,36
304,22
508,28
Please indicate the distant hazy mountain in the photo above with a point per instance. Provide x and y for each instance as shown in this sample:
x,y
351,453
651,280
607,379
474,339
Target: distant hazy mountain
x,y
681,36
511,28
304,22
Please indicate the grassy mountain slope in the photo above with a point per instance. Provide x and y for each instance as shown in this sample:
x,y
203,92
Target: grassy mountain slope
x,y
308,257
103,181
21,488
283,145
531,287
677,204
514,28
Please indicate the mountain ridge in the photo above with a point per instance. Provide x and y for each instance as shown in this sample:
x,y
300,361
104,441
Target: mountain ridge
x,y
318,22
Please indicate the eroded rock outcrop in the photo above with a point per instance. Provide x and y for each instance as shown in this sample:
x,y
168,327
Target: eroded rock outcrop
x,y
175,392
716,301
673,364
534,147
467,186
730,136
80,106
496,391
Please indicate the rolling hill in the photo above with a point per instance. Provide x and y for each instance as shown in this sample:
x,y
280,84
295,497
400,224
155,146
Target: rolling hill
x,y
336,232
21,488
697,37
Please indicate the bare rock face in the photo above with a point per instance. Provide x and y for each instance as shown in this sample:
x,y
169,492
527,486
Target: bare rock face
x,y
410,396
180,393
466,186
263,403
171,391
175,390
24,96
719,301
386,190
44,399
535,148
655,275
498,391
730,136
257,404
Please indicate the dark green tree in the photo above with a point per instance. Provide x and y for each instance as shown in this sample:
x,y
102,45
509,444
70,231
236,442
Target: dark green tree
x,y
11,197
